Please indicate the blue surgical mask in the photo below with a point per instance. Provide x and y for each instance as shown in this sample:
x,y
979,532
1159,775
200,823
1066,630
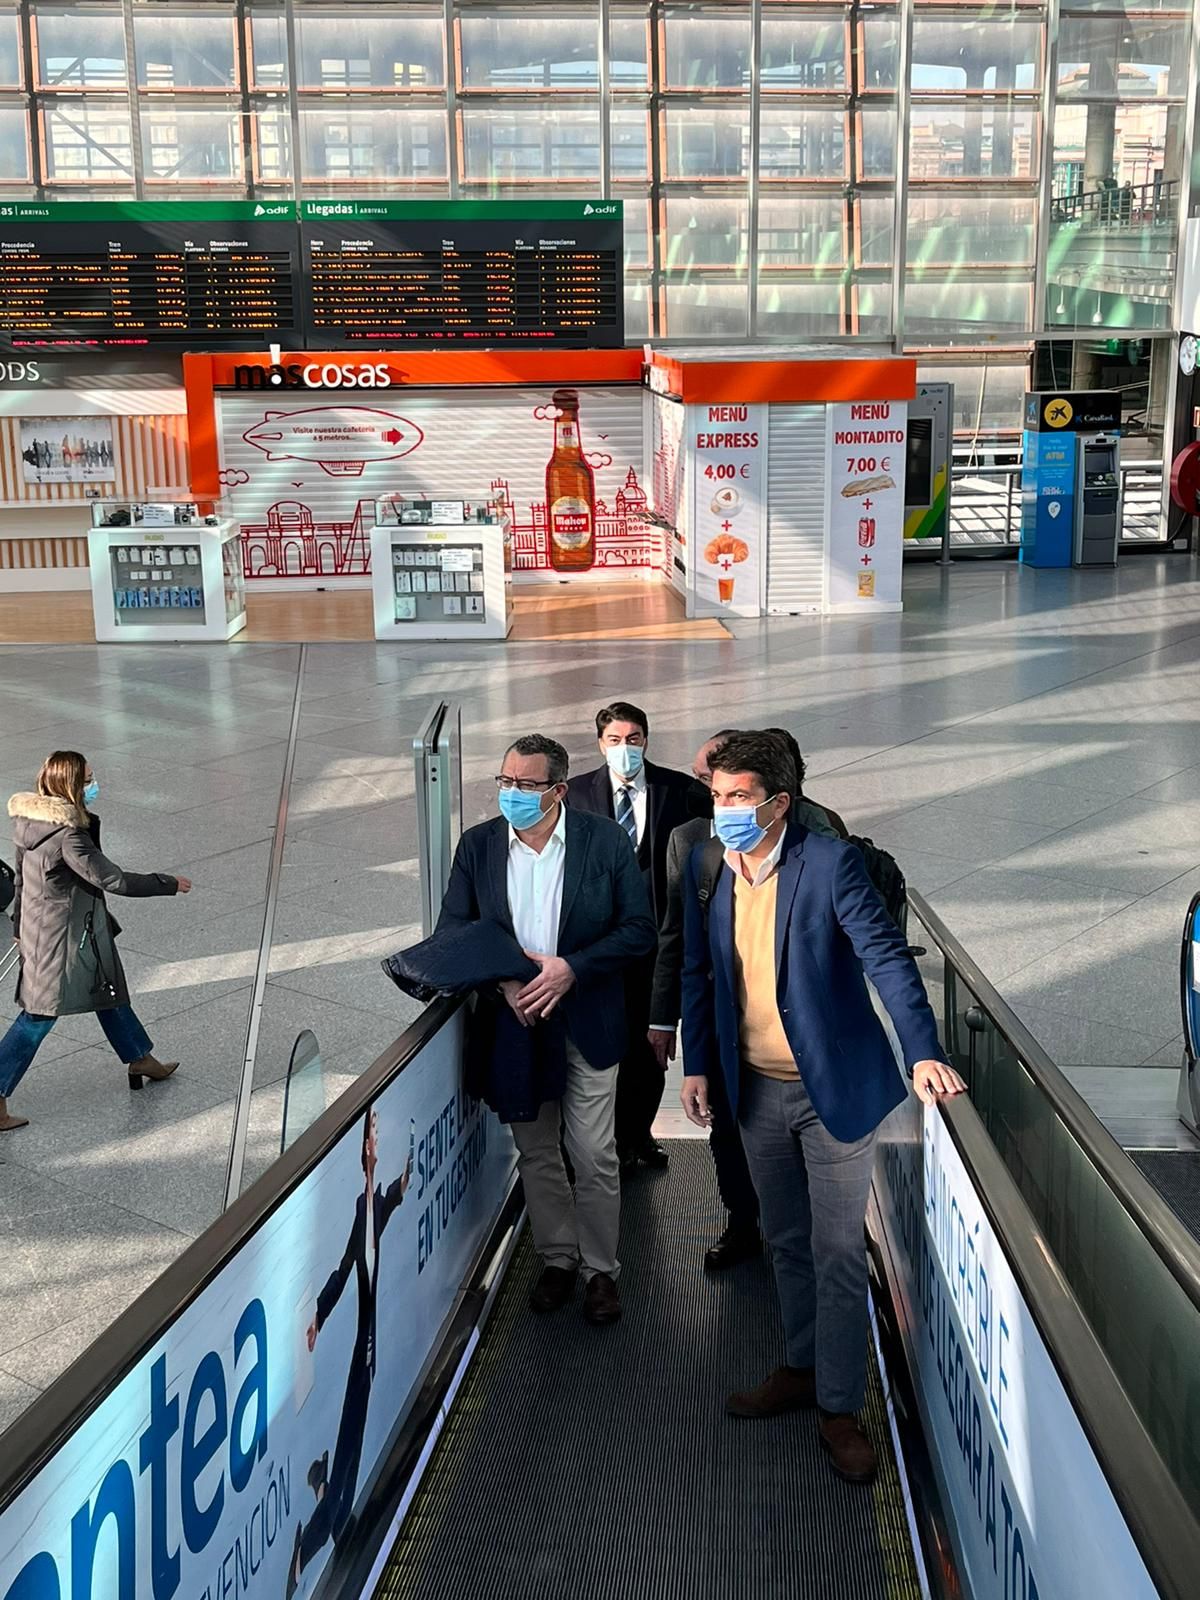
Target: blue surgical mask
x,y
737,827
625,759
520,809
91,793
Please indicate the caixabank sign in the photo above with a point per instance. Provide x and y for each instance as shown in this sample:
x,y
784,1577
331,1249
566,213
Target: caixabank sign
x,y
1096,412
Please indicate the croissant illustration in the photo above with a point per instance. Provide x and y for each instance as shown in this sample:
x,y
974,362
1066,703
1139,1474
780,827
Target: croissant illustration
x,y
726,545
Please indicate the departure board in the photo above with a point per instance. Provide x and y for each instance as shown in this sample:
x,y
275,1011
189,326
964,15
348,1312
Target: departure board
x,y
463,273
207,274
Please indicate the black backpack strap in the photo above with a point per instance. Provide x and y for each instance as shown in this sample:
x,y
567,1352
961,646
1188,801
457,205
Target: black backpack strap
x,y
711,862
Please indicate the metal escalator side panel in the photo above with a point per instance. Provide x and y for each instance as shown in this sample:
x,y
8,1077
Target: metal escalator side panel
x,y
1032,1438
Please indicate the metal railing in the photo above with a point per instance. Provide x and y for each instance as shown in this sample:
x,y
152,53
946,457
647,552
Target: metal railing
x,y
1143,205
1132,1265
985,505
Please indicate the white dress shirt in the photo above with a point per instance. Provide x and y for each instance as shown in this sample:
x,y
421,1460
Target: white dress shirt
x,y
764,868
535,888
638,794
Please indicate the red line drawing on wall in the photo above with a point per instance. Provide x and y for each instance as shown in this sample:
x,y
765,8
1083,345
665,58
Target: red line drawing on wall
x,y
291,545
623,537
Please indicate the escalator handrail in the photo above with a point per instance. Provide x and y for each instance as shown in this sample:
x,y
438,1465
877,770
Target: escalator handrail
x,y
32,1440
1163,1230
1160,1519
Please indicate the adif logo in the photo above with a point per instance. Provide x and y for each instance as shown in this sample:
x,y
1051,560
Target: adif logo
x,y
260,211
599,211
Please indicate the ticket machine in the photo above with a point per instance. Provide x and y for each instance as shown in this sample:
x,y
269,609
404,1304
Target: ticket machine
x,y
1070,480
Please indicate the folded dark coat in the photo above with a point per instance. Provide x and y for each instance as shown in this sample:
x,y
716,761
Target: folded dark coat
x,y
459,957
511,1068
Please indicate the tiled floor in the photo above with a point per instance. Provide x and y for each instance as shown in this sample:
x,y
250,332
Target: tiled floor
x,y
1028,744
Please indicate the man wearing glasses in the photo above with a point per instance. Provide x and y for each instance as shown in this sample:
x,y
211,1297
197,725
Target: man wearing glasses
x,y
568,886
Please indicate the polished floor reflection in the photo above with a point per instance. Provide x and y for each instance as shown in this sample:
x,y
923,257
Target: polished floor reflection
x,y
1027,743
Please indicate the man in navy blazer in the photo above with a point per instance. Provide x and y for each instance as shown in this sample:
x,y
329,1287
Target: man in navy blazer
x,y
775,1001
649,802
568,887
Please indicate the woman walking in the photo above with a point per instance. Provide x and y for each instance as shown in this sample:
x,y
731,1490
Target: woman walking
x,y
67,938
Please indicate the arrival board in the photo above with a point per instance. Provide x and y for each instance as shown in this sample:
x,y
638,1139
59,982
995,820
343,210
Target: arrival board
x,y
118,275
463,273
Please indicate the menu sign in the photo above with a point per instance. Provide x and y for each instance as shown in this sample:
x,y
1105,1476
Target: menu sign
x,y
728,449
463,273
113,275
865,522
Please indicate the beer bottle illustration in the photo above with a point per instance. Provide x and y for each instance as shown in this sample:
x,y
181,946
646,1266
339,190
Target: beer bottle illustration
x,y
570,492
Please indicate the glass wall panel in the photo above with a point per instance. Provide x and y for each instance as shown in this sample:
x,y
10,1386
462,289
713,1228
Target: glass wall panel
x,y
970,230
801,231
708,142
877,64
360,144
382,47
87,142
629,50
802,141
272,134
11,74
268,48
871,310
638,299
706,52
630,135
79,47
14,145
875,156
530,50
706,231
876,229
972,54
637,234
961,307
185,48
523,143
706,310
989,396
799,310
191,146
1124,58
801,52
982,140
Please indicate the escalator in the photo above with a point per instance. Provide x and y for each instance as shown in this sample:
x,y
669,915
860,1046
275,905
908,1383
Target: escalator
x,y
305,1405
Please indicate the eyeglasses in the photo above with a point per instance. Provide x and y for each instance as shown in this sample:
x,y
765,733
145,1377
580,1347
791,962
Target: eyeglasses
x,y
525,785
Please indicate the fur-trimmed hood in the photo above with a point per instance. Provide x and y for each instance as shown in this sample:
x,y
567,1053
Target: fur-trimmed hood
x,y
38,815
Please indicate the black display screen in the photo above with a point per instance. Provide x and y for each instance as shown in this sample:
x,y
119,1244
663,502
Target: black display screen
x,y
209,274
456,274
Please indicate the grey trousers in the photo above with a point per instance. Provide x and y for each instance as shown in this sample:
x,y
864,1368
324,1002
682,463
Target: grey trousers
x,y
812,1191
579,1231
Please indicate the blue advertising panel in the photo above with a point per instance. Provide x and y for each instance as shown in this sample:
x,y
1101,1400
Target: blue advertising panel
x,y
1048,499
1031,1513
229,1461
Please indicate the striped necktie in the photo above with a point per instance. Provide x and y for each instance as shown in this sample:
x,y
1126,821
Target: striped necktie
x,y
625,815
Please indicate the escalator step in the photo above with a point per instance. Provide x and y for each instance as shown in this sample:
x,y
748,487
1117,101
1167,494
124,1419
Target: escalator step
x,y
598,1462
1176,1176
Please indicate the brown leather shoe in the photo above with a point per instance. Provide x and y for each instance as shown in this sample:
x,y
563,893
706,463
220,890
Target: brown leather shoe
x,y
601,1302
554,1289
787,1389
148,1067
851,1454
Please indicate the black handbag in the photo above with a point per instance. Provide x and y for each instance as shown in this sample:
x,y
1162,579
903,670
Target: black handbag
x,y
8,886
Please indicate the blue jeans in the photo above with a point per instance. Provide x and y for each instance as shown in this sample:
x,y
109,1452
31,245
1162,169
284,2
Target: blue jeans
x,y
20,1044
812,1191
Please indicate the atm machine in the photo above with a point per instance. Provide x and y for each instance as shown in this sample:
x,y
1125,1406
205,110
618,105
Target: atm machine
x,y
1097,501
1071,480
